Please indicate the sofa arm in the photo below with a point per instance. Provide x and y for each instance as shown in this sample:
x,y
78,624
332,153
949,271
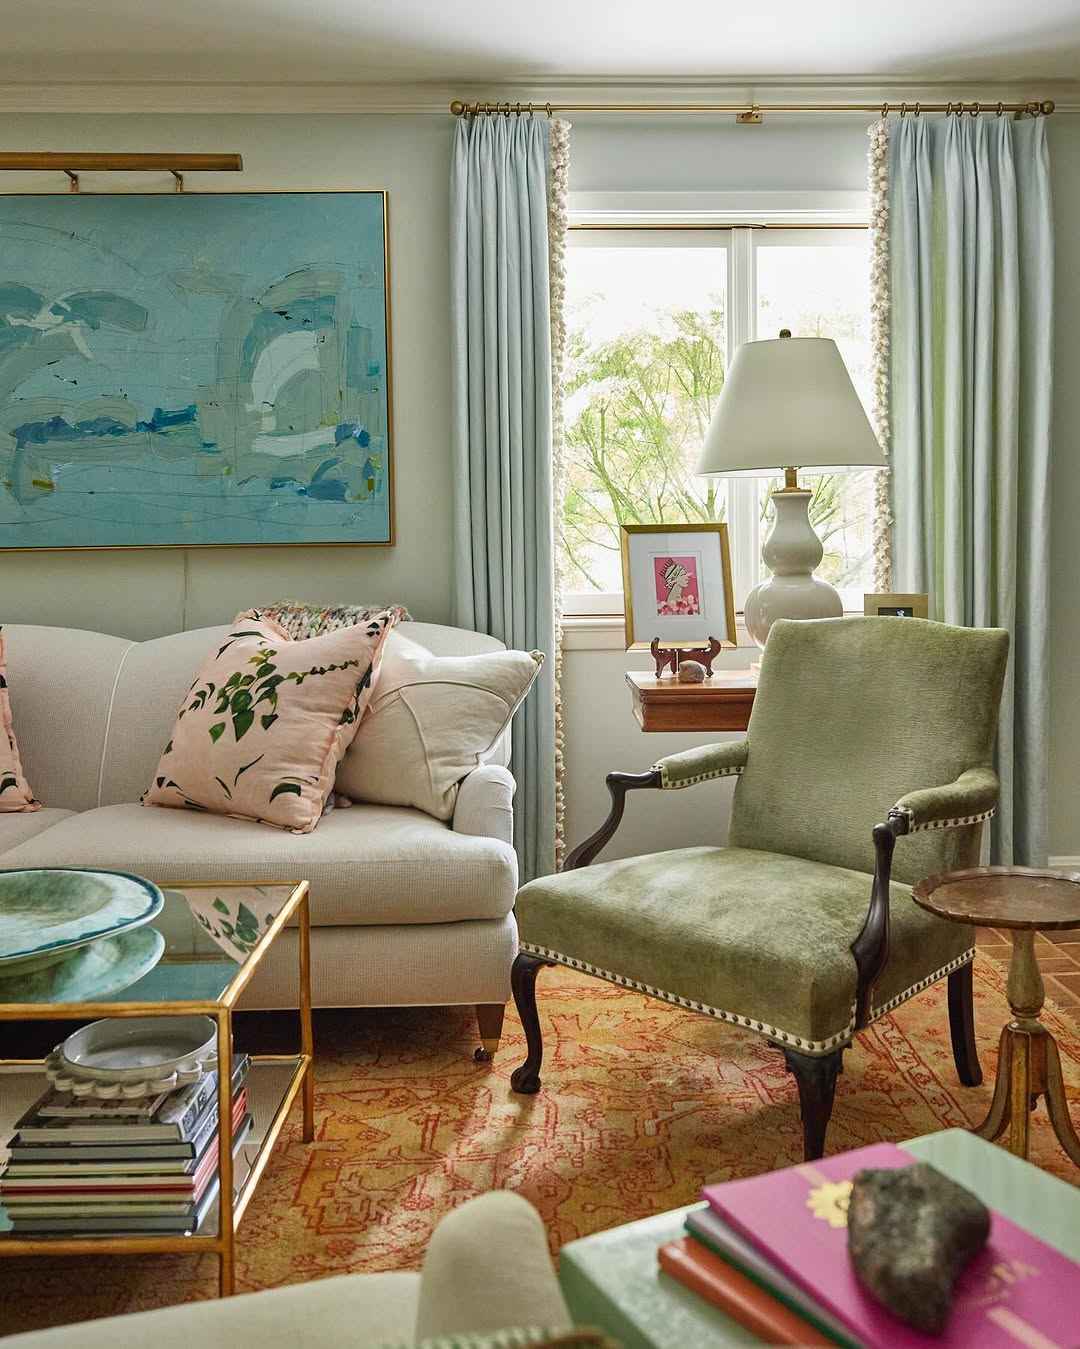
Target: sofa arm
x,y
702,763
970,799
488,1267
485,803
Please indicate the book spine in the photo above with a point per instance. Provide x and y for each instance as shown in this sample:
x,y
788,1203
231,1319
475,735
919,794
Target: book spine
x,y
704,1273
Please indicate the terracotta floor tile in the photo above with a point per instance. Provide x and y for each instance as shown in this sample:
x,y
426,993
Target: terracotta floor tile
x,y
1070,981
1057,965
1066,934
986,936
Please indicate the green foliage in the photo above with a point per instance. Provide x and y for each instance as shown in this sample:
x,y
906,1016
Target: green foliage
x,y
640,407
633,443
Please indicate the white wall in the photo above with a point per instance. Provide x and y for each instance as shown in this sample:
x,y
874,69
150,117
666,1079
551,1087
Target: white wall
x,y
145,593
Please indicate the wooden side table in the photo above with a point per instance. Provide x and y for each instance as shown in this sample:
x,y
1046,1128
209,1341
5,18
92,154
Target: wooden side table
x,y
721,703
1029,1066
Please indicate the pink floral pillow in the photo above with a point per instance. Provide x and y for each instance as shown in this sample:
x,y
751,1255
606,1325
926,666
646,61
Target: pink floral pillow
x,y
15,793
267,720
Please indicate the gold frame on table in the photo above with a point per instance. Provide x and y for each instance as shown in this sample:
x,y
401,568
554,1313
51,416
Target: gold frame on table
x,y
918,604
391,539
231,1207
626,531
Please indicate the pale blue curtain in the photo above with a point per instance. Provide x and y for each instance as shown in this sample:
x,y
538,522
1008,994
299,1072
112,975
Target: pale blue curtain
x,y
971,254
502,432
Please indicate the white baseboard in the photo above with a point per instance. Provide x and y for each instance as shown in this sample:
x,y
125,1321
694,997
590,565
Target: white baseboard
x,y
1064,863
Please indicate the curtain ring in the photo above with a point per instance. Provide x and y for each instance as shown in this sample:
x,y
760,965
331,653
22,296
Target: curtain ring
x,y
884,111
975,109
548,106
1001,109
903,109
918,109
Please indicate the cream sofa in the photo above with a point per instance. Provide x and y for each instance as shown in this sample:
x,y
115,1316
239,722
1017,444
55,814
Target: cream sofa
x,y
487,1267
405,909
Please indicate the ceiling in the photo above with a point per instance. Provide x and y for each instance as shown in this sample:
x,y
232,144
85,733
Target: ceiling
x,y
379,41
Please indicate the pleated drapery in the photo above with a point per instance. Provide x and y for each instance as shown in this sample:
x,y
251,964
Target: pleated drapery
x,y
501,361
971,280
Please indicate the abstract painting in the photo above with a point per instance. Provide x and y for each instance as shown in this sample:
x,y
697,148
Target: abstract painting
x,y
194,369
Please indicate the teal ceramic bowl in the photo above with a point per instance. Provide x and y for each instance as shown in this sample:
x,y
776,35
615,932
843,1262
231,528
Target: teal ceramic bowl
x,y
46,914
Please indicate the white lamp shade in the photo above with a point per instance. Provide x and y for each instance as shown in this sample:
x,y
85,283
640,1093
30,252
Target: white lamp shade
x,y
788,402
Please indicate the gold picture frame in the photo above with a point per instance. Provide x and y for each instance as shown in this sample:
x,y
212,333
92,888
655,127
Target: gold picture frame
x,y
714,560
896,606
184,191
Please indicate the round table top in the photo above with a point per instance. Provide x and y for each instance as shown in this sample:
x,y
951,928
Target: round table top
x,y
1017,897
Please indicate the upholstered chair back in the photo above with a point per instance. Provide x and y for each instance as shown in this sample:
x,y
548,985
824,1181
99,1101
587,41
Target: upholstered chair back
x,y
852,713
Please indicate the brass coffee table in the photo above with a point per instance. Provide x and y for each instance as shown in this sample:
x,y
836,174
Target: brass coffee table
x,y
215,938
1026,901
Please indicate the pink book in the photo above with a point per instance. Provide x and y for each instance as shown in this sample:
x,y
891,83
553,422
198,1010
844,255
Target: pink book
x,y
1018,1291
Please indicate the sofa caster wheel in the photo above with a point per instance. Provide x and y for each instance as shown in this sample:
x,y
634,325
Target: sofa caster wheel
x,y
482,1055
525,1080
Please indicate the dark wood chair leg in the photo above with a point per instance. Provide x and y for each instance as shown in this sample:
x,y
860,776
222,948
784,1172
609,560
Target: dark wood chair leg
x,y
962,1026
526,1079
489,1017
816,1077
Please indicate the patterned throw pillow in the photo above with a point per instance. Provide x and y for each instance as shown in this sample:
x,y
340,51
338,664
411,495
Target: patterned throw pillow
x,y
15,793
263,727
301,620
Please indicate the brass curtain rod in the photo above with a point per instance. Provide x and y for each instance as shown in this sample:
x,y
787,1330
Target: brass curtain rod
x,y
752,112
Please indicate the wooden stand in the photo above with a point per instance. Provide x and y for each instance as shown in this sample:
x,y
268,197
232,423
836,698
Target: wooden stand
x,y
1028,1062
1025,901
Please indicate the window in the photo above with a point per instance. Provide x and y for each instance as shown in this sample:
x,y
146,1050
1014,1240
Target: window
x,y
652,315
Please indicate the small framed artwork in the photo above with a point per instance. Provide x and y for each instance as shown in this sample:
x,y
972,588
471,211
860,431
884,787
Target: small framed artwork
x,y
895,606
677,585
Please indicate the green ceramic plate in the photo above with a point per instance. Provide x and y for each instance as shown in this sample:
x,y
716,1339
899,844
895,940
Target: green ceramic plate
x,y
95,971
47,914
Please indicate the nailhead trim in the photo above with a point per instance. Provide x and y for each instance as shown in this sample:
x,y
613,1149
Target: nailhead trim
x,y
700,777
954,823
950,968
842,1038
773,1033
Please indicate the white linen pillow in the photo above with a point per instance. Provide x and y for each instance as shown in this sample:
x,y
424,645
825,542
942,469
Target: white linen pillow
x,y
430,722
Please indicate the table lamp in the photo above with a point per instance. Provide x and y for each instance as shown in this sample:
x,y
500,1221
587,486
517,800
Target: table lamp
x,y
789,403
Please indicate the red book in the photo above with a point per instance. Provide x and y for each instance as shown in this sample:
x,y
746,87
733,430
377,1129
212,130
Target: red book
x,y
704,1273
1016,1291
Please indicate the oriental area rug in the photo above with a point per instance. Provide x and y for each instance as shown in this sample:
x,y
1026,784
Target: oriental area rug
x,y
643,1103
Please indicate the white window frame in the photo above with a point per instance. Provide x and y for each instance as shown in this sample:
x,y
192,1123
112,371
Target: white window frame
x,y
743,218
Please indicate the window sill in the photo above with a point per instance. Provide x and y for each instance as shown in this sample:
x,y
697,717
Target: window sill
x,y
607,632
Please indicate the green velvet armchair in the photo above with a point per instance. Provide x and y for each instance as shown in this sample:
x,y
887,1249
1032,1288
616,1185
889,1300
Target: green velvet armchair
x,y
803,928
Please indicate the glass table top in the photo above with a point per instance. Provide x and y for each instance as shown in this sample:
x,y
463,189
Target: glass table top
x,y
194,950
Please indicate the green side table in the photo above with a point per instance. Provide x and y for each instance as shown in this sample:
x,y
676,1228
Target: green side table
x,y
612,1280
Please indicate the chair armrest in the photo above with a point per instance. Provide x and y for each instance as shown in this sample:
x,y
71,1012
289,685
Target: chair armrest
x,y
969,800
703,763
485,803
488,1267
973,797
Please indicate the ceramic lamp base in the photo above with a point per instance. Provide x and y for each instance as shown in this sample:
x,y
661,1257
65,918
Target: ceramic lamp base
x,y
791,553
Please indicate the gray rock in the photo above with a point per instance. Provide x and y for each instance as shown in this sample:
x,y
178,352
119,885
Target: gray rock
x,y
910,1233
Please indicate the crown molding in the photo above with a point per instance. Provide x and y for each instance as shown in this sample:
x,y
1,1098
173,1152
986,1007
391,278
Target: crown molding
x,y
430,98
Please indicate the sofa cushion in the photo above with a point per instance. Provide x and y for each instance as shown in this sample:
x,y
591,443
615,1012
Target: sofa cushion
x,y
263,727
17,827
63,683
755,938
366,865
15,793
431,720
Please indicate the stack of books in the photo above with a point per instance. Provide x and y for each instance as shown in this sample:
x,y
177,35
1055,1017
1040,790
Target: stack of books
x,y
94,1168
771,1252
